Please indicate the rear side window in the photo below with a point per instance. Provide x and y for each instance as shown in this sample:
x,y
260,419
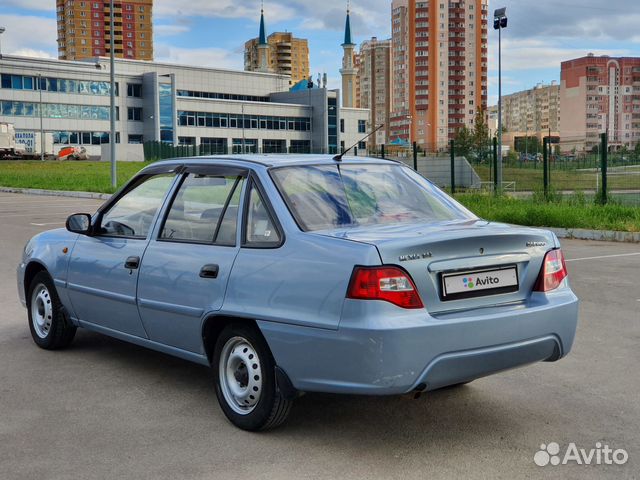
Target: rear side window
x,y
333,196
132,214
261,230
204,210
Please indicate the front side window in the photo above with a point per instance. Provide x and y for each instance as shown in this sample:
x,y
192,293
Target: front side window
x,y
205,210
132,215
332,196
260,229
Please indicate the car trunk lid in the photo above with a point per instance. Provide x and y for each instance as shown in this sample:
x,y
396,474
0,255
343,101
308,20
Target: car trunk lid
x,y
431,252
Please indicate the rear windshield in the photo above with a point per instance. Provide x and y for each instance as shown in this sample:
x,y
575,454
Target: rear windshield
x,y
324,197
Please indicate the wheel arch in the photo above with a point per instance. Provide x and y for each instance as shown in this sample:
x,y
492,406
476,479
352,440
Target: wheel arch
x,y
32,269
214,323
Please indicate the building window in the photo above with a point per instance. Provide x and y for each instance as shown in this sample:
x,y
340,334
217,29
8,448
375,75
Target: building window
x,y
211,145
134,90
342,125
274,146
135,139
134,114
362,126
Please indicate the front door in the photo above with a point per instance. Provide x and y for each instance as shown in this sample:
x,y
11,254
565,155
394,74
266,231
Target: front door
x,y
103,270
186,266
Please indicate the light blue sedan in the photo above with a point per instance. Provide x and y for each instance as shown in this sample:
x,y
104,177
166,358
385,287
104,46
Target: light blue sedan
x,y
302,274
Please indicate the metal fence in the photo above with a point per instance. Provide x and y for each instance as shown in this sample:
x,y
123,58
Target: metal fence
x,y
600,175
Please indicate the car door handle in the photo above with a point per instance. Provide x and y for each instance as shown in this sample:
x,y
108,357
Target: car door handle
x,y
209,271
132,263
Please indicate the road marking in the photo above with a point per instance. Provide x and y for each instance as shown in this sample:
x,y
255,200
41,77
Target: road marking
x,y
602,256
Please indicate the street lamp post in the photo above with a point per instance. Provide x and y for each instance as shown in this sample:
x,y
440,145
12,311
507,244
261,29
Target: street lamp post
x,y
41,124
499,22
112,91
2,29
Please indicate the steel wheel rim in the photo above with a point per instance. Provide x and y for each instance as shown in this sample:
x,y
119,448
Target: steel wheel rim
x,y
41,311
240,374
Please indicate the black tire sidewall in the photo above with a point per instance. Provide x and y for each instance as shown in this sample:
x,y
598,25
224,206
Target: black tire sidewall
x,y
261,414
58,320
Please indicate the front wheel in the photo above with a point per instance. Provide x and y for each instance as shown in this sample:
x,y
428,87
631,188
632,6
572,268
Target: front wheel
x,y
245,380
47,323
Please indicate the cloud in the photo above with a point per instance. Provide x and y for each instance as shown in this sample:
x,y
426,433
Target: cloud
x,y
45,5
29,35
205,57
168,30
535,54
580,19
221,9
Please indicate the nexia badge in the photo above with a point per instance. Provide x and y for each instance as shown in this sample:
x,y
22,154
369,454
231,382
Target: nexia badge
x,y
536,244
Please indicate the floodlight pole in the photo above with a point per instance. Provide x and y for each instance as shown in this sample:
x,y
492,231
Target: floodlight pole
x,y
499,166
112,91
499,22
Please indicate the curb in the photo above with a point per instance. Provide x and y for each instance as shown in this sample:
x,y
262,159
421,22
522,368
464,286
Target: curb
x,y
57,193
601,235
570,233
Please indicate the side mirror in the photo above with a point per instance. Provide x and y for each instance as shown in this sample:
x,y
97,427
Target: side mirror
x,y
79,223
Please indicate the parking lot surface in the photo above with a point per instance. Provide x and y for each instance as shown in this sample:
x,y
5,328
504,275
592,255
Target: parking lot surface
x,y
106,409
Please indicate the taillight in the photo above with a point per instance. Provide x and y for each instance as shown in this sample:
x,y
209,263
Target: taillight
x,y
391,284
553,271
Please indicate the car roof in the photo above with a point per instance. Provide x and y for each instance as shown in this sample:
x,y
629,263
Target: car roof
x,y
272,160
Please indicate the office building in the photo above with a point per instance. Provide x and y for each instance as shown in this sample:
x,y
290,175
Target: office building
x,y
219,110
84,29
279,52
599,94
439,69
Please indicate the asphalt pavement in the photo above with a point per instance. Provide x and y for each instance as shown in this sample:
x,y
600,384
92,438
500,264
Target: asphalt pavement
x,y
105,409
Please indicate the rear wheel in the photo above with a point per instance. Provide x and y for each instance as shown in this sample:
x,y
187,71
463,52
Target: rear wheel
x,y
47,323
245,380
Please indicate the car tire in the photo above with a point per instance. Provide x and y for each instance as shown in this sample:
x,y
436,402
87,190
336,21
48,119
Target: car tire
x,y
245,379
48,324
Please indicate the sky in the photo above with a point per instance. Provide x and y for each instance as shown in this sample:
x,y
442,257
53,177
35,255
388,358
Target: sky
x,y
540,35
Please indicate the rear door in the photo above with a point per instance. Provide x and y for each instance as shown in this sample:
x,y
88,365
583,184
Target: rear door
x,y
186,266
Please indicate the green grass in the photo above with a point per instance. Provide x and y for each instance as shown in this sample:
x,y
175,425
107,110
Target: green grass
x,y
570,212
530,179
576,211
56,175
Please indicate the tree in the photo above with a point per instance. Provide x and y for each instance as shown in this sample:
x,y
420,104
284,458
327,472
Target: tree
x,y
636,151
463,141
481,135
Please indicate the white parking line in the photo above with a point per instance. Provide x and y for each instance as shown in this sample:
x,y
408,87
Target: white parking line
x,y
602,256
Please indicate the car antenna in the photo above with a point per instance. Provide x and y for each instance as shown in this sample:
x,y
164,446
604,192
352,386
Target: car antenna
x,y
338,158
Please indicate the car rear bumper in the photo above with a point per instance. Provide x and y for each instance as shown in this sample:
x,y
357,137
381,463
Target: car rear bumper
x,y
395,351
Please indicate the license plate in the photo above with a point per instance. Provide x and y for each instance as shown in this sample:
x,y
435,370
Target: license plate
x,y
478,283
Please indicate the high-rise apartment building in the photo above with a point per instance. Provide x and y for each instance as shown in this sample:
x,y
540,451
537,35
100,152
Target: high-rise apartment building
x,y
599,94
279,53
534,111
84,29
439,68
374,85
